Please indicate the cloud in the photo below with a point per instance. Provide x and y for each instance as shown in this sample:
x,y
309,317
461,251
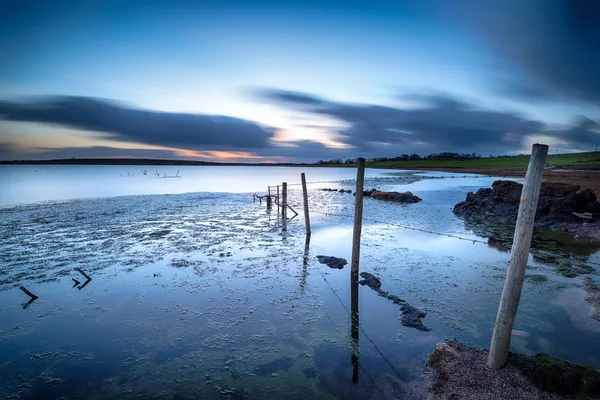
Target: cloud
x,y
90,152
121,123
443,123
582,135
556,42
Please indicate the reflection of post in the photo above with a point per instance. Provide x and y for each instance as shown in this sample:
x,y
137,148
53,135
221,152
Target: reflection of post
x,y
513,285
355,325
305,263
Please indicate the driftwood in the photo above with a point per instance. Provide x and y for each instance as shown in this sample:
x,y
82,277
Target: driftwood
x,y
82,272
28,293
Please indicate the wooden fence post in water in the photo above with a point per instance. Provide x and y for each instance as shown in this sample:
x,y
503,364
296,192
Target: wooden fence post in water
x,y
278,200
269,198
305,195
513,285
358,210
284,200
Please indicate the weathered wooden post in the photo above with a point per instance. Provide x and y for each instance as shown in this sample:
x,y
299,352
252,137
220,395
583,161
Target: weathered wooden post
x,y
269,198
278,200
511,294
284,200
305,195
358,210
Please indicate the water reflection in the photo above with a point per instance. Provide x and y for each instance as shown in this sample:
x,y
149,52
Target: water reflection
x,y
354,326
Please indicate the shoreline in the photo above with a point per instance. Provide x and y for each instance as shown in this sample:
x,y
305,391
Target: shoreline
x,y
586,178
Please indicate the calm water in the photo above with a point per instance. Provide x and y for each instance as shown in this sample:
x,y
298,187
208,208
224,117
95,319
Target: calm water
x,y
198,292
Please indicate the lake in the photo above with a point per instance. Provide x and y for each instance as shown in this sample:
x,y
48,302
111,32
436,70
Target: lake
x,y
197,291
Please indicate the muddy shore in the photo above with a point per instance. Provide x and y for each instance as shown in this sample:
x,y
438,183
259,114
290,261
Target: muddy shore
x,y
459,371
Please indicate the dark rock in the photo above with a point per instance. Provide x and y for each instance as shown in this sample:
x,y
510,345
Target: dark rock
x,y
411,316
332,262
399,197
370,280
558,206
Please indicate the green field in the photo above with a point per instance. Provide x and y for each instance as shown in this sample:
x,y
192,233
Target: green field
x,y
577,160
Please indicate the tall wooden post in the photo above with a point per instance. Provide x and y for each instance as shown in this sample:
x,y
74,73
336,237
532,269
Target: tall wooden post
x,y
358,211
305,195
513,285
284,200
278,200
269,198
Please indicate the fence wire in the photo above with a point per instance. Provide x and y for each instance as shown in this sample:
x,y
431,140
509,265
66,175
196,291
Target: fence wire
x,y
413,228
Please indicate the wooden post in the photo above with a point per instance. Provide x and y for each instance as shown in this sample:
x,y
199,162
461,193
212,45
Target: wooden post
x,y
278,200
284,200
269,198
358,210
305,194
513,285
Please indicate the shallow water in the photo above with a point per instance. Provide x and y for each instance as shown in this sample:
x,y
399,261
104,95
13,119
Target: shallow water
x,y
203,295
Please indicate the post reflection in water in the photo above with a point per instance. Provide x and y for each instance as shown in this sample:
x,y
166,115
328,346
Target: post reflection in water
x,y
305,263
354,325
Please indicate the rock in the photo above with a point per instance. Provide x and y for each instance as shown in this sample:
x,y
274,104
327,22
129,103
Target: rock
x,y
560,206
586,215
370,280
332,262
399,197
411,316
445,349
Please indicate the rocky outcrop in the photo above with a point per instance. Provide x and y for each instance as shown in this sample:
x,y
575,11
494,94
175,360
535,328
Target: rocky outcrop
x,y
399,197
561,206
332,262
336,190
411,316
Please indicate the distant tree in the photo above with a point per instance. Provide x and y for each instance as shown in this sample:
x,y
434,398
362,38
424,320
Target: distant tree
x,y
415,156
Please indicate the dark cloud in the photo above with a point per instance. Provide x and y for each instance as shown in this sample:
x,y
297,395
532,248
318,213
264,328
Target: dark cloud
x,y
557,42
287,96
91,152
582,135
442,124
188,131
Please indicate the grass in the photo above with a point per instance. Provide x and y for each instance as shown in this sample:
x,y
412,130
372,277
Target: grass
x,y
590,159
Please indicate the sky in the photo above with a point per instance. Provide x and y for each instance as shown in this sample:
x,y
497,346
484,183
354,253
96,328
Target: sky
x,y
280,81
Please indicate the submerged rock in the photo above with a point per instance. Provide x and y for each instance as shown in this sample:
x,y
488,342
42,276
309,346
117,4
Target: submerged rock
x,y
560,206
399,197
332,262
411,316
592,296
370,280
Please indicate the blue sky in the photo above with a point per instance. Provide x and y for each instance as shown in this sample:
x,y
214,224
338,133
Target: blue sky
x,y
388,77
